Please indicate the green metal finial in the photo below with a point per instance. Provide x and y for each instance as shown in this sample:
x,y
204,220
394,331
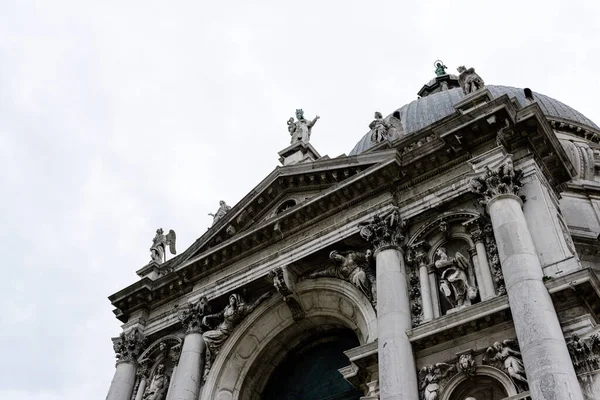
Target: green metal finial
x,y
440,68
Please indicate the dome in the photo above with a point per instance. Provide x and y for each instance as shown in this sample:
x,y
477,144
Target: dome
x,y
424,111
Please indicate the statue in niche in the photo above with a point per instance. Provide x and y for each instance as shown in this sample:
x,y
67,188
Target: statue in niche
x,y
454,282
159,244
300,130
158,386
508,353
223,209
431,376
440,68
469,80
227,320
379,129
354,267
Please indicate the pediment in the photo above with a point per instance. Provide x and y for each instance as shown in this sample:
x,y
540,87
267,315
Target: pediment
x,y
282,193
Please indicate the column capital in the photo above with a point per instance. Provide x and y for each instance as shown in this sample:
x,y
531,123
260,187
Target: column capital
x,y
192,315
128,346
504,181
384,231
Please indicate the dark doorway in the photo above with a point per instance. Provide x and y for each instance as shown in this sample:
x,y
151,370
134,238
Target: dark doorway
x,y
311,371
481,388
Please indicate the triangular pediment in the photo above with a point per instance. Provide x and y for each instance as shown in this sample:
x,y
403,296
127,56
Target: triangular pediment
x,y
282,193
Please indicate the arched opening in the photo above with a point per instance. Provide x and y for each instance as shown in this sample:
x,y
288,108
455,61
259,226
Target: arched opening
x,y
480,387
310,372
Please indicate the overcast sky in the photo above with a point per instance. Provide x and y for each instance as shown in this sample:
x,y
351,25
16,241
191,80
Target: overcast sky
x,y
120,117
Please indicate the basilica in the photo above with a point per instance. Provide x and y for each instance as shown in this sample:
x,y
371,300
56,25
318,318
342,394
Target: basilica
x,y
453,254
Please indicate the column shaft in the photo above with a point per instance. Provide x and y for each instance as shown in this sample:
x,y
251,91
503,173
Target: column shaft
x,y
397,370
141,388
435,299
121,387
478,278
425,293
187,380
487,281
547,362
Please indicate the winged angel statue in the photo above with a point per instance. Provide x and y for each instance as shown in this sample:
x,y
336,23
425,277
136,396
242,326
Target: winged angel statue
x,y
159,244
431,377
508,355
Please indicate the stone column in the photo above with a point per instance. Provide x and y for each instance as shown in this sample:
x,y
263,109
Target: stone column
x,y
188,377
128,348
397,370
435,298
548,366
421,261
175,352
141,387
486,285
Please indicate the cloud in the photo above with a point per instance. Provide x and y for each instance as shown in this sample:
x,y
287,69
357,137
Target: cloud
x,y
118,118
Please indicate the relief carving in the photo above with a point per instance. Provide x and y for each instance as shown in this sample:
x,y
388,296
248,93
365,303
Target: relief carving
x,y
507,356
585,353
353,267
432,378
289,297
466,364
223,323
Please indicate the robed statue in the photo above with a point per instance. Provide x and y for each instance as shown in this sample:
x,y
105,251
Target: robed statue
x,y
223,208
158,386
469,80
301,128
454,281
159,244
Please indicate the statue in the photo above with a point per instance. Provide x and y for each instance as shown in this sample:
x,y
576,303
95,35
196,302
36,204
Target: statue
x,y
158,386
352,266
440,68
508,353
223,208
379,128
585,354
301,129
159,244
430,377
228,318
469,80
454,283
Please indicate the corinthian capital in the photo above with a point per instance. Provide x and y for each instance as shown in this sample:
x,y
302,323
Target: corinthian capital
x,y
504,180
128,346
191,317
384,230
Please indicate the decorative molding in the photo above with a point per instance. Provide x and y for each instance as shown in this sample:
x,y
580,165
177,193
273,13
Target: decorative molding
x,y
192,317
386,230
494,259
504,180
129,346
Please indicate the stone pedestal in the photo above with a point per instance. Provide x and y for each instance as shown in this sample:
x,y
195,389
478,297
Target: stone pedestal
x,y
547,362
298,152
121,387
188,377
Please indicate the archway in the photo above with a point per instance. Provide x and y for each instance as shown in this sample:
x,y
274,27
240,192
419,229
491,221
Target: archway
x,y
310,372
269,335
489,383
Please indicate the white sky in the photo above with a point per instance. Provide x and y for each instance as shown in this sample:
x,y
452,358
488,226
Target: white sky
x,y
120,117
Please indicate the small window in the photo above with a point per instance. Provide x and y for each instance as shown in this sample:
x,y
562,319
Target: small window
x,y
286,205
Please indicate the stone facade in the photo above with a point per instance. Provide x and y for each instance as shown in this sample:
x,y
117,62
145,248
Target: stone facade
x,y
456,262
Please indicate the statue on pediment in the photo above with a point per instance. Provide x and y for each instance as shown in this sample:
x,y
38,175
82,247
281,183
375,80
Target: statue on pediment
x,y
160,243
223,209
469,80
158,386
454,281
379,129
300,129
